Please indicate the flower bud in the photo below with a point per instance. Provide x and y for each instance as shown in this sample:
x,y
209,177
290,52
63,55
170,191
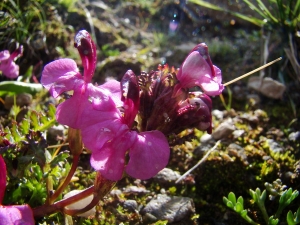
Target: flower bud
x,y
75,141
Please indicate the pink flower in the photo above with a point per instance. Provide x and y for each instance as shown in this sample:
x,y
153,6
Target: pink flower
x,y
198,70
7,65
109,140
14,214
105,114
63,75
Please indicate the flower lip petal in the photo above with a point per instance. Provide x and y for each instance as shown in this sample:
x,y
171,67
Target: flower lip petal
x,y
149,154
110,159
61,75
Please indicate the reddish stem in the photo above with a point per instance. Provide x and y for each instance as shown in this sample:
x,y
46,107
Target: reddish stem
x,y
43,210
66,181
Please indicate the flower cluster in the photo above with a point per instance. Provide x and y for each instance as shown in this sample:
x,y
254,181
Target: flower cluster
x,y
7,65
125,123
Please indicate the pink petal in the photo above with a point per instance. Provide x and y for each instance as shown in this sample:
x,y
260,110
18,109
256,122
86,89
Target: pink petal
x,y
95,136
110,159
60,76
192,69
148,155
4,55
114,88
16,214
8,67
2,178
70,111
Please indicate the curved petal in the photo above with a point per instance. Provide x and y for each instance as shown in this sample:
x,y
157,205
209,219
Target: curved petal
x,y
110,159
192,70
149,154
2,178
16,214
60,76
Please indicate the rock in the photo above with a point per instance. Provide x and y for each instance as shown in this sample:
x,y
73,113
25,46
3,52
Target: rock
x,y
218,114
55,133
238,133
135,190
274,146
167,175
267,86
237,151
205,138
173,209
250,118
294,136
23,99
130,205
223,130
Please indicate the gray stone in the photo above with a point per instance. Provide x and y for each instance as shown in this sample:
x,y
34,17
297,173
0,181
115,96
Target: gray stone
x,y
223,130
274,146
267,86
130,205
238,133
173,209
166,175
135,190
205,138
218,114
294,136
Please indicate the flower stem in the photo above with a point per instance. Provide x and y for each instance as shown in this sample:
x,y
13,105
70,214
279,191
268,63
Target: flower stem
x,y
43,210
63,185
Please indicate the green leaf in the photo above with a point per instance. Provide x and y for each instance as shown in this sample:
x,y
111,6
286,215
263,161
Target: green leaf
x,y
34,120
243,213
232,198
25,125
229,204
273,221
239,207
290,218
59,158
18,87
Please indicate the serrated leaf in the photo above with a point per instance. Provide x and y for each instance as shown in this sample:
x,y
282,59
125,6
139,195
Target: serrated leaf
x,y
15,133
25,126
52,110
43,119
34,117
59,158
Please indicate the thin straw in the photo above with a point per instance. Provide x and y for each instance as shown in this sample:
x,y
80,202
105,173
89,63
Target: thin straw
x,y
253,71
199,163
